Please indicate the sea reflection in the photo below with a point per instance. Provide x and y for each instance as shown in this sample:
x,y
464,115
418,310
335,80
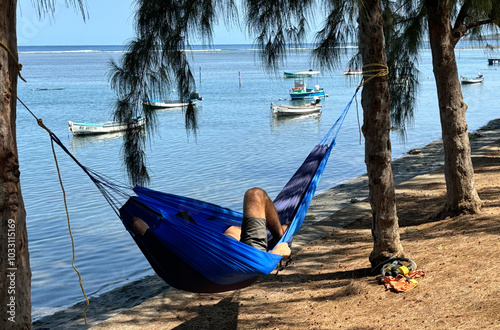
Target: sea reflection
x,y
286,121
84,140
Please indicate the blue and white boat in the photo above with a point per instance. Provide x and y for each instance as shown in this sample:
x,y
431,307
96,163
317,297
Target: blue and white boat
x,y
302,74
87,128
300,90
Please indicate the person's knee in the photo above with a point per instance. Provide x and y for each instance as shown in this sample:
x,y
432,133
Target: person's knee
x,y
255,194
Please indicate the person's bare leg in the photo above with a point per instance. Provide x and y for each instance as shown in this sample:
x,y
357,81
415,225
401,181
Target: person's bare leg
x,y
257,203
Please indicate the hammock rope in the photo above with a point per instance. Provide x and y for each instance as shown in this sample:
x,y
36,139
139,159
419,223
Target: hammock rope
x,y
41,124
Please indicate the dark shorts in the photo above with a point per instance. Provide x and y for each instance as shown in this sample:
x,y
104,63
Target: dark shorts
x,y
254,232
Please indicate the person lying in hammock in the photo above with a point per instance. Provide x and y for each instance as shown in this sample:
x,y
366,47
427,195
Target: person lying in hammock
x,y
259,214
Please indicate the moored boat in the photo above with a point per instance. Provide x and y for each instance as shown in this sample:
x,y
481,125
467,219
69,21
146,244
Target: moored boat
x,y
88,128
168,104
302,74
291,110
476,80
172,104
300,90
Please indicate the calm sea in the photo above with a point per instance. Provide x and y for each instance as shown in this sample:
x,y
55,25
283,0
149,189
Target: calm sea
x,y
239,145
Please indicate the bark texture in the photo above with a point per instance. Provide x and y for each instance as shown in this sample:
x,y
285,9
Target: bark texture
x,y
461,195
15,282
375,99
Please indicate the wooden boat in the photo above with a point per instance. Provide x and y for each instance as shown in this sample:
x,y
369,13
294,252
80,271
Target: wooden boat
x,y
169,104
172,104
102,128
477,80
291,110
300,90
352,72
302,74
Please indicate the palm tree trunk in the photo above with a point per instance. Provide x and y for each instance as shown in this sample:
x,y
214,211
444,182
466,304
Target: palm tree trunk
x,y
461,195
15,272
375,99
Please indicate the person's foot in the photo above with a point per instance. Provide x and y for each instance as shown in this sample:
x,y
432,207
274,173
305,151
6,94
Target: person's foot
x,y
139,226
282,249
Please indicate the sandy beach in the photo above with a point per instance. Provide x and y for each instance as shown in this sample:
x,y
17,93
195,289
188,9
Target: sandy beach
x,y
328,283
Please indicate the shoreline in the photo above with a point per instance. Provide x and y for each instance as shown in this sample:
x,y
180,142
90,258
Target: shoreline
x,y
320,213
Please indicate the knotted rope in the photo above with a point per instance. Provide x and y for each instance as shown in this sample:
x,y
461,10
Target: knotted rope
x,y
19,65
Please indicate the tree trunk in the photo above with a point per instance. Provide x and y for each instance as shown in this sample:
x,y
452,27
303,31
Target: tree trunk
x,y
15,282
375,99
461,195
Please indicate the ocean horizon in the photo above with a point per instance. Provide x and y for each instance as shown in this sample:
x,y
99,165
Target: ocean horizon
x,y
486,43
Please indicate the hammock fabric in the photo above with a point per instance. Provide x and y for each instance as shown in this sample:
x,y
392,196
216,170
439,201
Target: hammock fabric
x,y
185,244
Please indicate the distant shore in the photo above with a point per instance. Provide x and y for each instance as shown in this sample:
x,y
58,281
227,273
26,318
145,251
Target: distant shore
x,y
324,205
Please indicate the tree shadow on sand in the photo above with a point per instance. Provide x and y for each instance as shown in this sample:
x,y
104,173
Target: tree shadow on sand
x,y
223,315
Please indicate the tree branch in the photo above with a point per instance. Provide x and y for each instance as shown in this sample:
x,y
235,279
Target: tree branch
x,y
462,15
479,23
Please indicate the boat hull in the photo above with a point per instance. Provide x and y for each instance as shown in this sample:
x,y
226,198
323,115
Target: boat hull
x,y
288,110
297,75
167,104
79,129
476,80
467,81
310,93
303,74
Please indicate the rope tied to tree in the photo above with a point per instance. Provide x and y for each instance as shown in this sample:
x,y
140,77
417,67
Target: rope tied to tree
x,y
379,70
42,125
372,71
19,65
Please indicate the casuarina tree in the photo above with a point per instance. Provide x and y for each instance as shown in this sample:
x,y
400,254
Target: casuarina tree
x,y
448,22
15,285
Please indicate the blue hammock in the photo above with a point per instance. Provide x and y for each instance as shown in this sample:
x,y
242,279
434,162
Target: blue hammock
x,y
185,244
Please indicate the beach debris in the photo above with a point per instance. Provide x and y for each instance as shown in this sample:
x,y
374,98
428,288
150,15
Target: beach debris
x,y
415,152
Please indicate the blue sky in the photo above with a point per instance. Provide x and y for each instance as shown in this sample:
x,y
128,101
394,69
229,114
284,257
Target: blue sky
x,y
110,22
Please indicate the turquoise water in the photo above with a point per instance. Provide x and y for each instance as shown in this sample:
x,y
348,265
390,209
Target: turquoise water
x,y
239,145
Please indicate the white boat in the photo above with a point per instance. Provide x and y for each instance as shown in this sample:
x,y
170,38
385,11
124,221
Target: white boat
x,y
102,128
477,80
169,104
302,74
172,104
352,72
292,110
